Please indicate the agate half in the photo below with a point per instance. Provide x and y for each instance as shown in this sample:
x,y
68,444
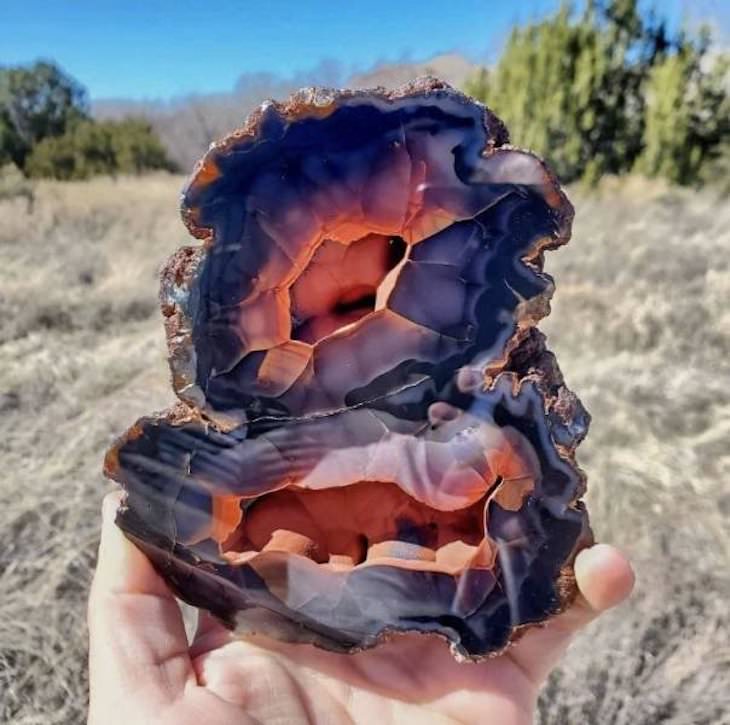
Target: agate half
x,y
371,436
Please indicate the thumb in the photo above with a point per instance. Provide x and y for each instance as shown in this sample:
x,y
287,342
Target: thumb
x,y
136,633
604,578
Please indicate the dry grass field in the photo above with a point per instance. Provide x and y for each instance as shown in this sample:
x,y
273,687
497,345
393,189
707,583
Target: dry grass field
x,y
641,326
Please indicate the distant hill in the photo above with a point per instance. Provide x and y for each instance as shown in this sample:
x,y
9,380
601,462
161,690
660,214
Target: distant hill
x,y
450,67
186,125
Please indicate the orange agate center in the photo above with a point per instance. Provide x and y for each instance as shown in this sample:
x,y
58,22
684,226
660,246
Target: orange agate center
x,y
363,523
343,283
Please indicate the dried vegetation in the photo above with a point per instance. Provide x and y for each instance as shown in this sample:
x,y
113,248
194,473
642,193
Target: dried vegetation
x,y
641,325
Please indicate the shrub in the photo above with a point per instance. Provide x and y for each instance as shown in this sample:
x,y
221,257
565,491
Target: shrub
x,y
89,148
687,122
608,91
36,102
137,147
45,129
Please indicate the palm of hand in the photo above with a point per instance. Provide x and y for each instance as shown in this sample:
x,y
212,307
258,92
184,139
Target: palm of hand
x,y
142,669
410,679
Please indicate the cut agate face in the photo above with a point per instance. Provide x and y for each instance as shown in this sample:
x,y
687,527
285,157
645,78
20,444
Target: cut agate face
x,y
371,436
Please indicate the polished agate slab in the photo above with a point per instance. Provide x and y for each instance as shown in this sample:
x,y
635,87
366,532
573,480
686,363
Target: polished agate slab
x,y
371,436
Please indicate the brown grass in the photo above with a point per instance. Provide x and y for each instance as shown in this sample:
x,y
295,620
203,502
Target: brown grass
x,y
641,325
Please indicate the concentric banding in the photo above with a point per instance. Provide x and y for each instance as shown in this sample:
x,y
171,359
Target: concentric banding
x,y
378,440
275,200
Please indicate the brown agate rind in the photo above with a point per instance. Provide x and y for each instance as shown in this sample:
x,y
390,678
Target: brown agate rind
x,y
371,435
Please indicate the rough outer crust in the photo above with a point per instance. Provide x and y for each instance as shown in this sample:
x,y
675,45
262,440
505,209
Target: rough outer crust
x,y
319,103
179,274
522,364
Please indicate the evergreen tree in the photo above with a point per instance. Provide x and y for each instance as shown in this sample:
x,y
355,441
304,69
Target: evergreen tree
x,y
36,102
687,115
89,148
608,91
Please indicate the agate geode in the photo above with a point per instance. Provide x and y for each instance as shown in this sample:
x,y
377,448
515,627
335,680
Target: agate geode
x,y
371,435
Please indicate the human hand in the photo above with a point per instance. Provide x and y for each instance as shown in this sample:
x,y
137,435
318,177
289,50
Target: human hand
x,y
142,669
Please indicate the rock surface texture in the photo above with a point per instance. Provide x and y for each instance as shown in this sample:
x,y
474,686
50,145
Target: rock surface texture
x,y
371,436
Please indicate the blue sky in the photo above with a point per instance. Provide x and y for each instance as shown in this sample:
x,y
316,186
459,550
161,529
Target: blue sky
x,y
163,48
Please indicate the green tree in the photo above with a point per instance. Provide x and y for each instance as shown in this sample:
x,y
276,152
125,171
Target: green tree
x,y
687,115
602,91
137,147
89,148
36,102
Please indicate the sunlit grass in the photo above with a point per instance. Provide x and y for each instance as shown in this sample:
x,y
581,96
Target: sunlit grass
x,y
641,326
